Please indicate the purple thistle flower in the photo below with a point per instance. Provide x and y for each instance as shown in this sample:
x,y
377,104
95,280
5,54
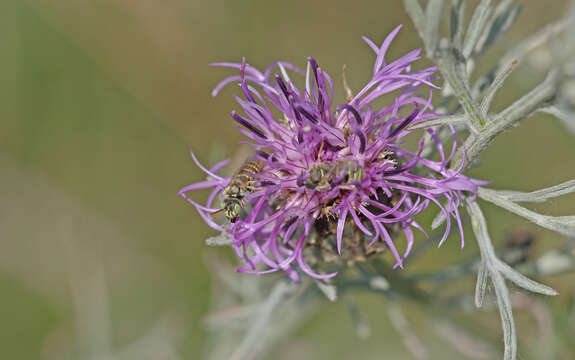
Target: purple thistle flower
x,y
318,170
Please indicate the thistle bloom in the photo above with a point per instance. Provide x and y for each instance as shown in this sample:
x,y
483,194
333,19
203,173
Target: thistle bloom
x,y
323,169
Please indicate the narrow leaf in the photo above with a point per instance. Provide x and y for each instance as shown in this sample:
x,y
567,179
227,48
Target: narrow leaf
x,y
251,343
539,195
506,314
523,281
438,220
500,24
417,16
481,284
533,41
409,338
562,224
454,74
456,22
329,290
529,102
222,239
432,17
362,327
476,26
466,343
496,85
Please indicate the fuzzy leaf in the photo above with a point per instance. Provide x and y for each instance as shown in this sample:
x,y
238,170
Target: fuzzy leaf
x,y
506,314
250,344
501,21
441,120
222,239
329,290
496,85
562,224
523,281
539,195
501,293
432,17
476,26
481,284
417,16
456,22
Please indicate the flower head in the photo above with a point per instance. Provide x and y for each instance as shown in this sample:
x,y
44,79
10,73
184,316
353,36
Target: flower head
x,y
331,177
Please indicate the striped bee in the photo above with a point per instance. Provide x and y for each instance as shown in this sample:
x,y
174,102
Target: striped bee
x,y
241,184
322,176
319,177
349,171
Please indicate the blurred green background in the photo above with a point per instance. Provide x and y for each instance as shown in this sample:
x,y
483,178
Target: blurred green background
x,y
100,102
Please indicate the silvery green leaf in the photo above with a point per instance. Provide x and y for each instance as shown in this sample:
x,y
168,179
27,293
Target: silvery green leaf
x,y
441,120
517,111
459,58
222,239
523,281
466,343
456,76
438,220
456,22
379,283
502,7
500,22
481,235
540,37
484,81
531,101
506,314
234,317
539,195
417,16
476,26
496,85
362,327
520,50
481,284
432,16
561,224
409,338
479,227
329,290
251,343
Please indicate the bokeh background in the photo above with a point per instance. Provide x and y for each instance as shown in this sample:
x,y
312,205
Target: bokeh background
x,y
100,102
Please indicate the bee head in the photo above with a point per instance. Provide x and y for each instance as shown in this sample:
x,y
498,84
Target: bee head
x,y
232,210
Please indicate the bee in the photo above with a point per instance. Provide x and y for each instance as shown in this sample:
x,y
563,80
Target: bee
x,y
322,176
241,184
349,172
387,156
319,177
